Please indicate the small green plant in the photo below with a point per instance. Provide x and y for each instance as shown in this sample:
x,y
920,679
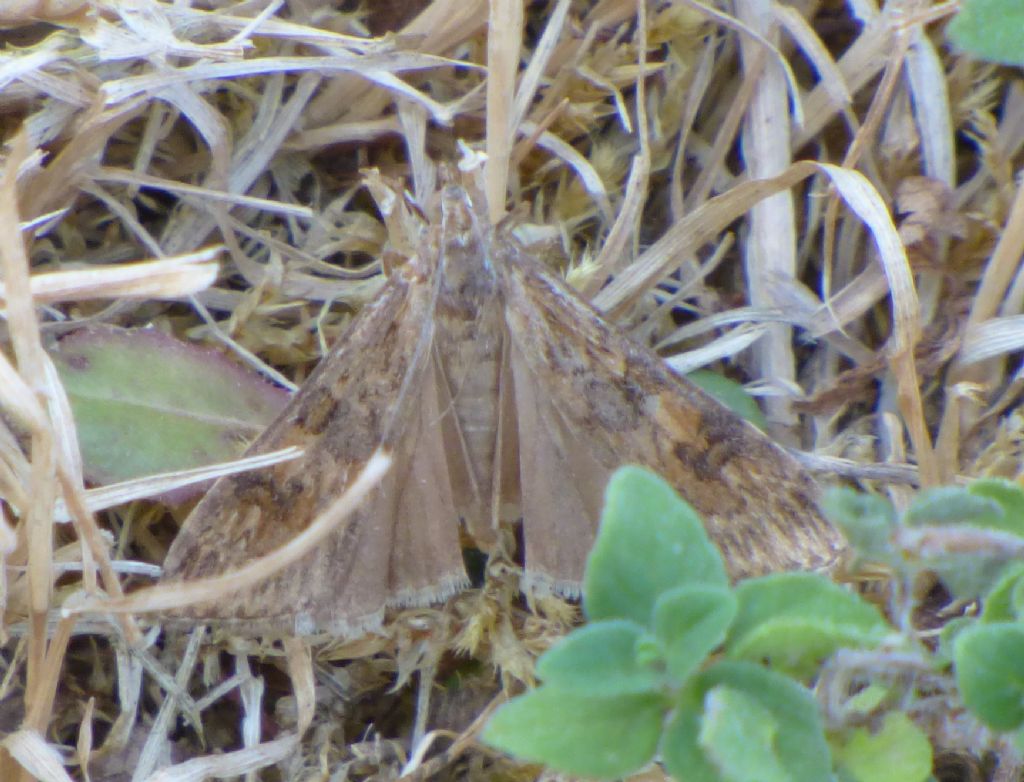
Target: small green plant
x,y
972,538
675,665
678,665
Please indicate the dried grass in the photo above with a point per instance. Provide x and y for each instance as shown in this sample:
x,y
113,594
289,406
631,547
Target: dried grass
x,y
844,180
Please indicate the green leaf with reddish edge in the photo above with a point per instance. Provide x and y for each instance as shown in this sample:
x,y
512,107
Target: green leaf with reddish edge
x,y
146,403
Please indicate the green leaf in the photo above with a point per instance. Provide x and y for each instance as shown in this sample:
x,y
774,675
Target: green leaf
x,y
1004,601
681,750
691,621
953,505
968,576
868,699
898,752
799,743
599,659
739,735
943,655
989,663
990,29
731,394
867,521
797,619
1017,599
146,403
968,572
603,738
650,541
1009,496
991,505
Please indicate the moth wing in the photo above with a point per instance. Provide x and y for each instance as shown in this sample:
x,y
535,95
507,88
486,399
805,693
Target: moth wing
x,y
560,485
589,399
376,387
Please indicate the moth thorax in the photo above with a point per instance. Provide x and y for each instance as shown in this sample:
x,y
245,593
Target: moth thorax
x,y
469,286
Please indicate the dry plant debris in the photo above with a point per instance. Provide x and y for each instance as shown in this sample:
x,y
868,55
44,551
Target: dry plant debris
x,y
824,171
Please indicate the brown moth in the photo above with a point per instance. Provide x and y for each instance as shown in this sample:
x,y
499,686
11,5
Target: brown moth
x,y
503,397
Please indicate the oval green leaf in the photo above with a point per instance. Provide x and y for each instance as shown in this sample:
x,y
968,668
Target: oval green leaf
x,y
990,29
740,737
797,619
867,521
599,659
1004,601
1009,496
989,664
146,403
601,738
798,745
681,752
691,621
953,505
650,541
898,752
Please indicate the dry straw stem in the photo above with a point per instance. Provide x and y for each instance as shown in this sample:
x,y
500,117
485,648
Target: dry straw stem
x,y
736,172
994,329
114,494
502,75
174,278
16,12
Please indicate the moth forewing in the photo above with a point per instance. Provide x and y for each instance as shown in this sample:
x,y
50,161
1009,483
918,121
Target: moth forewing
x,y
562,485
369,391
425,565
605,401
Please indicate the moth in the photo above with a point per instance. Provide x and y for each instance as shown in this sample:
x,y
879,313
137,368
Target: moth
x,y
504,399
